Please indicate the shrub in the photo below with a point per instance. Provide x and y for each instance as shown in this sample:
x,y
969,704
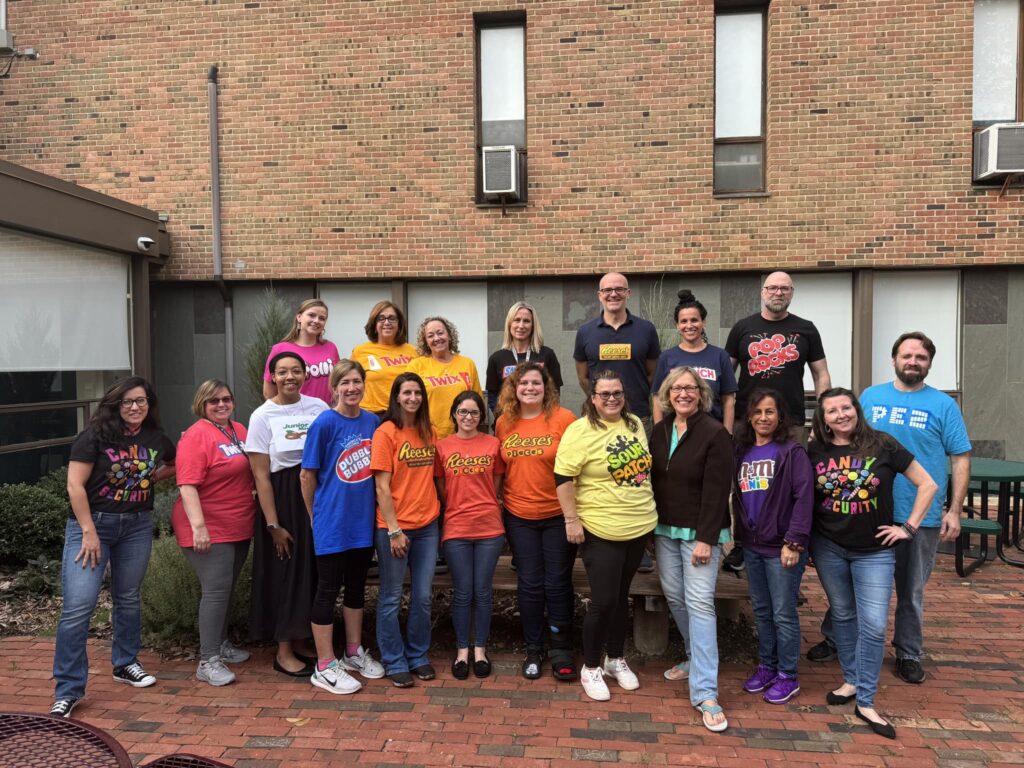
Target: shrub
x,y
56,483
272,323
163,506
32,520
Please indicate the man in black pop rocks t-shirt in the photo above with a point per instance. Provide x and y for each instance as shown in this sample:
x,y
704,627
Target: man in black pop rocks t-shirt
x,y
771,349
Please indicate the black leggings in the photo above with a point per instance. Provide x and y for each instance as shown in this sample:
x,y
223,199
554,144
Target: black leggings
x,y
610,568
346,568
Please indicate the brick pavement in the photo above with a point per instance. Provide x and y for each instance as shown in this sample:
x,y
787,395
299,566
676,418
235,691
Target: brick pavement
x,y
970,711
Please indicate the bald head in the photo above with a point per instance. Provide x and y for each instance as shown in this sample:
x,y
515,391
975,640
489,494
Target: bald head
x,y
612,292
776,295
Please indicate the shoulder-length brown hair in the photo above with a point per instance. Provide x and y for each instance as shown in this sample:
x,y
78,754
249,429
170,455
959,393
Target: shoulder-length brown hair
x,y
293,334
508,403
864,439
744,434
401,335
590,410
394,411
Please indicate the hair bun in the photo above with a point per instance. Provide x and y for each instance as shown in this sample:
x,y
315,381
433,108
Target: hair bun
x,y
686,295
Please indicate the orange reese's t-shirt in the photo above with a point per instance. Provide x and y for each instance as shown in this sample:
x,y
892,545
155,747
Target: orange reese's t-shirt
x,y
471,509
529,447
410,461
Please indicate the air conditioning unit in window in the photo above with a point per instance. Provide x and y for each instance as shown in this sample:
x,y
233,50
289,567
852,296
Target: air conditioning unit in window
x,y
998,151
501,171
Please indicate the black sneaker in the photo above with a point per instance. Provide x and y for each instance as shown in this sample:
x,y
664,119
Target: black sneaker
x,y
909,671
63,707
532,665
733,562
401,679
646,563
822,652
425,672
441,566
134,675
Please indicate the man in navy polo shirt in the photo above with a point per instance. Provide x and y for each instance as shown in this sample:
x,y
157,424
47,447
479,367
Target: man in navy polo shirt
x,y
619,341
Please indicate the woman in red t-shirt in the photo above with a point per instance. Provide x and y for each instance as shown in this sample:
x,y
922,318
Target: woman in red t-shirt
x,y
468,470
213,520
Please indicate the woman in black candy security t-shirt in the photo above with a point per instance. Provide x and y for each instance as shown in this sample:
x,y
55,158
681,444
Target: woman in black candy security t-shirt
x,y
853,538
115,464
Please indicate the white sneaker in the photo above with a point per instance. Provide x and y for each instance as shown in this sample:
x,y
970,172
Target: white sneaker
x,y
593,683
232,654
363,663
624,676
214,672
335,680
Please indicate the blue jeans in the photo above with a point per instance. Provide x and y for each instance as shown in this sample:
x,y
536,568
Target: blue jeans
x,y
859,589
774,592
472,563
125,541
914,561
544,560
690,592
400,655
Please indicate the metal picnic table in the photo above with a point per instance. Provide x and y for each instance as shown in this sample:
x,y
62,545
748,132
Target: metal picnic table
x,y
1008,477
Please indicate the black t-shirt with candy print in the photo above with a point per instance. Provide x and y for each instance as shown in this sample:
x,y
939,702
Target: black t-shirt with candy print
x,y
122,476
853,492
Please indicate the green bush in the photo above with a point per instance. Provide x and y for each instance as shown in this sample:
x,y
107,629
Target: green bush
x,y
272,323
32,520
56,483
163,506
170,598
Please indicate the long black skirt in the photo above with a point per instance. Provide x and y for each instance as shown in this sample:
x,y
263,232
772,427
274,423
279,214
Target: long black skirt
x,y
283,590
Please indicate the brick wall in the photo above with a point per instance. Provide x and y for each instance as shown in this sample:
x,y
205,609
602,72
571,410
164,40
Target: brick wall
x,y
347,134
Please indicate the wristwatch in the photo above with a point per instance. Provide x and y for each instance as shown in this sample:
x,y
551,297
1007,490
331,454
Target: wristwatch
x,y
272,526
395,533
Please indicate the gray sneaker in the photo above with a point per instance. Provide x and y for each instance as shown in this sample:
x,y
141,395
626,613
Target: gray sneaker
x,y
214,672
335,680
232,654
363,663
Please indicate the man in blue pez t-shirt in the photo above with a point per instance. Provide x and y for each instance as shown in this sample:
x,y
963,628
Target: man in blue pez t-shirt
x,y
928,423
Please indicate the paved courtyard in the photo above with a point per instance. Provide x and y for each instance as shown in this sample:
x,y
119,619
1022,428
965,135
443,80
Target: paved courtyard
x,y
970,711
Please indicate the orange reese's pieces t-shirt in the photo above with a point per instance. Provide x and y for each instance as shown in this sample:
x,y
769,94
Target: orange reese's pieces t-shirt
x,y
410,461
468,467
529,447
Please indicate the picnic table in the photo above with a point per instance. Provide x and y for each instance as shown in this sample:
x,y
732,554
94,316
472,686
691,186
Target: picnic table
x,y
1007,476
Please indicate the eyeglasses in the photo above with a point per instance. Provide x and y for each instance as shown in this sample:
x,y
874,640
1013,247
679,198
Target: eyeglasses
x,y
463,413
218,400
138,401
387,319
609,291
678,389
606,396
778,289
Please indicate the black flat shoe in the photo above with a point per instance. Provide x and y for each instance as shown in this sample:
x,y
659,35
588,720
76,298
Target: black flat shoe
x,y
306,671
882,729
836,699
460,669
482,668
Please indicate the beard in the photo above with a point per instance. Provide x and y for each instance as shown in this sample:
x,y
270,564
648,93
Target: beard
x,y
777,304
911,377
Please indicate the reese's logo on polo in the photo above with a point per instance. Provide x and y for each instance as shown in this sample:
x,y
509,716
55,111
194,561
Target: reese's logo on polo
x,y
353,464
416,457
615,352
467,465
629,461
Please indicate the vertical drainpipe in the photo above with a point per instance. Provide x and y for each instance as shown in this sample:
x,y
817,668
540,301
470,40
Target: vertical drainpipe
x,y
218,265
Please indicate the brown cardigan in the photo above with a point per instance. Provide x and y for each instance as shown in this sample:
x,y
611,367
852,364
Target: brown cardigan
x,y
692,487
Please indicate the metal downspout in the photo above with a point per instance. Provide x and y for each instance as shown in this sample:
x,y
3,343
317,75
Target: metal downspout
x,y
218,265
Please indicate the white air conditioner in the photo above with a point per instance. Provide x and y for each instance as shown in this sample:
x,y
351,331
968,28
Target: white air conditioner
x,y
998,151
501,171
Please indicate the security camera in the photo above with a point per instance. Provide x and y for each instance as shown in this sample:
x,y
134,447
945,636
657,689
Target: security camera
x,y
144,244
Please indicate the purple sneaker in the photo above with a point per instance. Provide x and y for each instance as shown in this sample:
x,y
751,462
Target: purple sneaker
x,y
782,690
763,677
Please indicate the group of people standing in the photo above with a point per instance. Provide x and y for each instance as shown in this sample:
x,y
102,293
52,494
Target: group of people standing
x,y
386,453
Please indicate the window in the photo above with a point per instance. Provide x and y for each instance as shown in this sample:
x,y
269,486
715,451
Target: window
x,y
501,96
739,97
997,72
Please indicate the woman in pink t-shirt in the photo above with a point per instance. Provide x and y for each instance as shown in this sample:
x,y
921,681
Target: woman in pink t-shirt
x,y
306,338
213,520
468,470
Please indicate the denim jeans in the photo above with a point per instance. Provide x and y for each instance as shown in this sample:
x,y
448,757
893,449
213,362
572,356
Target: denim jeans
x,y
610,566
125,541
914,561
774,592
544,560
690,592
859,589
472,563
400,655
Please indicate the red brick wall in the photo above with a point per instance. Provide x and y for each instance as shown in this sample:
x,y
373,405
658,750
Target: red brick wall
x,y
348,142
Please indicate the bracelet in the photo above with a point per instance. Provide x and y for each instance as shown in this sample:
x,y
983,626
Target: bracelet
x,y
911,530
793,545
273,527
395,533
572,520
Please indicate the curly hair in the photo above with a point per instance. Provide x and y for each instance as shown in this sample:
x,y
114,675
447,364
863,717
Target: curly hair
x,y
590,410
421,336
107,422
508,403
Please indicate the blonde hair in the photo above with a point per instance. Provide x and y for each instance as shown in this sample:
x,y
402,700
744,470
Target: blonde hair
x,y
536,335
205,393
293,334
706,397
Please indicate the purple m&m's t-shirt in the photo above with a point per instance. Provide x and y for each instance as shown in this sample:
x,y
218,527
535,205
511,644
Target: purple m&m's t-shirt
x,y
756,472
